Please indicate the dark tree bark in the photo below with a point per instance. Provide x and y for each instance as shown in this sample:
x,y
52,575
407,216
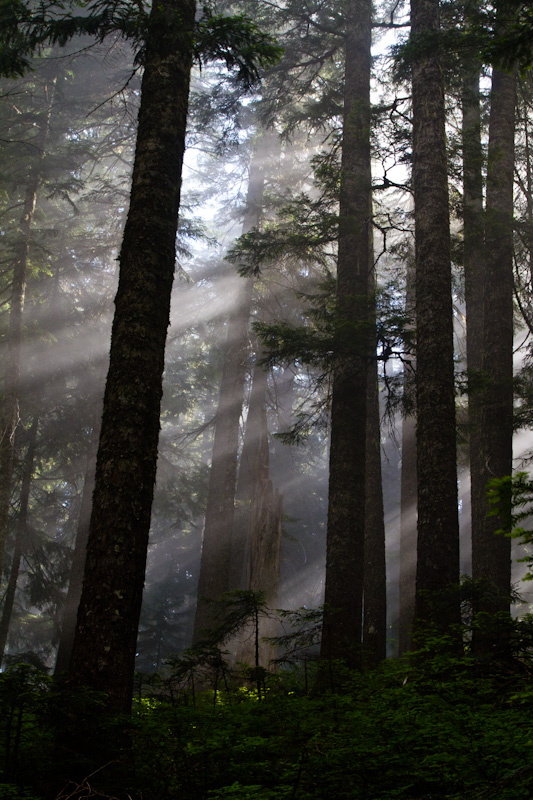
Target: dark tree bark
x,y
375,578
342,630
72,599
104,648
217,544
408,499
474,266
438,526
10,403
20,536
491,555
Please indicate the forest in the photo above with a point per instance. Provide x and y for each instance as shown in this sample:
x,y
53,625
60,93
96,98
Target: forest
x,y
266,400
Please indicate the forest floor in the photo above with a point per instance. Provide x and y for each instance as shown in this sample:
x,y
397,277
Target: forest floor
x,y
432,726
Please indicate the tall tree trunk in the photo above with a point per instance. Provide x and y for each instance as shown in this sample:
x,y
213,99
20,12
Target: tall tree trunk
x,y
10,405
103,655
263,520
20,536
474,266
375,579
342,630
438,525
216,561
72,599
491,555
408,498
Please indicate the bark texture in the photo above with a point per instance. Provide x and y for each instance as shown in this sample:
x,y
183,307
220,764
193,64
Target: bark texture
x,y
217,558
103,655
409,491
491,554
438,526
342,630
474,266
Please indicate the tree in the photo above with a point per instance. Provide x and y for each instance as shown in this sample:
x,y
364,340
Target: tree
x,y
10,402
218,535
491,556
342,632
438,527
105,641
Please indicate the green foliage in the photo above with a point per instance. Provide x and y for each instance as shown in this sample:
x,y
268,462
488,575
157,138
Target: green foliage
x,y
14,49
24,731
515,491
236,40
434,725
9,791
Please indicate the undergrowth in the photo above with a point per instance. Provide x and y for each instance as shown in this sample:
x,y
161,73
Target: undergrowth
x,y
435,726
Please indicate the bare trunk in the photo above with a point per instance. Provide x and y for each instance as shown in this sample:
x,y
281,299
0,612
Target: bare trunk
x,y
342,630
491,555
103,655
474,266
375,579
72,599
219,551
438,526
262,517
408,501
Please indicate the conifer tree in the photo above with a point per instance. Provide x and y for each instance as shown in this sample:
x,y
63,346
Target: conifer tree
x,y
342,631
438,527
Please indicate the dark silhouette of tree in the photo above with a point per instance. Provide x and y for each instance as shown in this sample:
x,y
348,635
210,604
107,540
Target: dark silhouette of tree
x,y
438,527
342,633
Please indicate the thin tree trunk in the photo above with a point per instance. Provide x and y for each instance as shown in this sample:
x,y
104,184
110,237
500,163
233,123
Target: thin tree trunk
x,y
342,630
438,525
10,405
263,520
375,578
491,555
20,536
72,599
103,655
474,266
217,557
408,499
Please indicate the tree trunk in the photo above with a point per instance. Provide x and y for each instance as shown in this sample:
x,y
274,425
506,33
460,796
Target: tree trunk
x,y
20,536
10,405
103,655
491,554
342,630
72,599
474,267
375,579
408,499
217,545
264,521
438,526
